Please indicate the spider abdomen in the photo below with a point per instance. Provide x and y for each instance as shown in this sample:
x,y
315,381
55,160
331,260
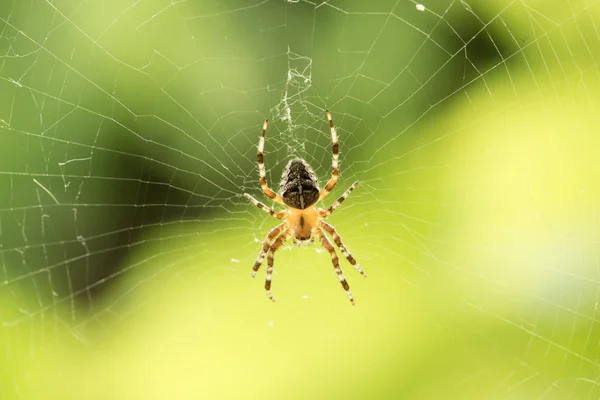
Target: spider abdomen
x,y
299,185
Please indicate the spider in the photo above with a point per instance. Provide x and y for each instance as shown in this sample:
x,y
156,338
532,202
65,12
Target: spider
x,y
299,190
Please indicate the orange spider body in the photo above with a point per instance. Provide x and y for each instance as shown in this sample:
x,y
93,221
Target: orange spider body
x,y
299,190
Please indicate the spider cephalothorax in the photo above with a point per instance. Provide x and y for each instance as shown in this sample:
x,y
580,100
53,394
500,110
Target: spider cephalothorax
x,y
302,220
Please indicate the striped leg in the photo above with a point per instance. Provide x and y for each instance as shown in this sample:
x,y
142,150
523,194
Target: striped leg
x,y
266,244
261,168
271,258
325,213
267,209
338,241
334,175
336,264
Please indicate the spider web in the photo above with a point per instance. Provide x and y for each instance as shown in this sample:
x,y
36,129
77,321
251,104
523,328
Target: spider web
x,y
128,134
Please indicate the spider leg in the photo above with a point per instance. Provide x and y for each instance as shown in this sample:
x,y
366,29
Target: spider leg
x,y
270,259
338,241
325,213
267,209
336,264
266,244
261,168
334,163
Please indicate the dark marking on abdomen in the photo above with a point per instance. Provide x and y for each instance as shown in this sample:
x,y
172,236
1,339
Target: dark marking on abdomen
x,y
299,185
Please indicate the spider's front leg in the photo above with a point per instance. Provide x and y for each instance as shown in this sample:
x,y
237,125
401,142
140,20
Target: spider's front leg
x,y
266,244
336,264
338,241
271,258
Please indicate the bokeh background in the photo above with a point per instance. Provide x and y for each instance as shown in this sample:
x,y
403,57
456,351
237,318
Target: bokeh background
x,y
128,134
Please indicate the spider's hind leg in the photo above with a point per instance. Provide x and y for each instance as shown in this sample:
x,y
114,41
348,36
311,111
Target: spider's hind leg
x,y
335,160
261,167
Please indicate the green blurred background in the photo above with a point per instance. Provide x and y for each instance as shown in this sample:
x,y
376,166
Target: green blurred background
x,y
128,134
